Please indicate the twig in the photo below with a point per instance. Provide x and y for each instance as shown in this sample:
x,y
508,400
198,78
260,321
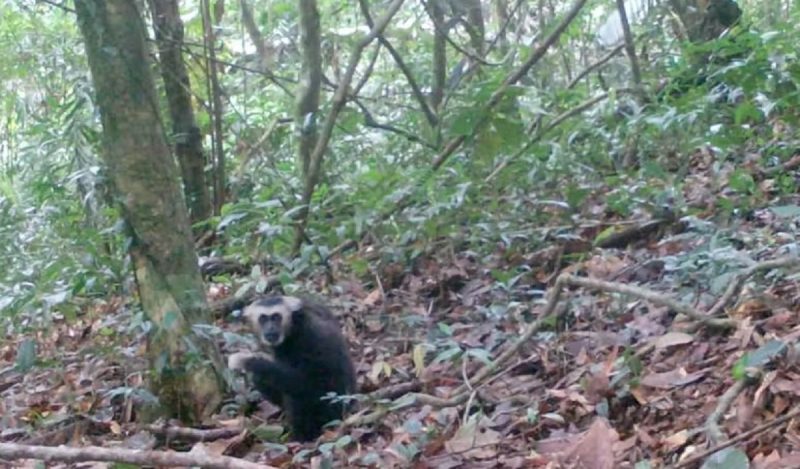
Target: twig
x,y
12,451
194,434
736,285
740,437
433,121
395,391
713,432
593,66
652,296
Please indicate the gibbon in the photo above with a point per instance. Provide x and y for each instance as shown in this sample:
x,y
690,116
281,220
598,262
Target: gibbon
x,y
309,361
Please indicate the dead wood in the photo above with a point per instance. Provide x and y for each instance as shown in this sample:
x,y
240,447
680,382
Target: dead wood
x,y
12,451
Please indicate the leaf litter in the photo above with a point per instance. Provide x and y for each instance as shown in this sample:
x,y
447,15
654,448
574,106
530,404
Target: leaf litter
x,y
616,382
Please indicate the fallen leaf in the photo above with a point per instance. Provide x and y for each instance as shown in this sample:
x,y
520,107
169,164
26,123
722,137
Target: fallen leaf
x,y
671,339
595,449
671,379
474,440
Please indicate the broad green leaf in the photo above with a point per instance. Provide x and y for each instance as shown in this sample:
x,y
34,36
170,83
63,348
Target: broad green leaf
x,y
786,211
728,458
26,355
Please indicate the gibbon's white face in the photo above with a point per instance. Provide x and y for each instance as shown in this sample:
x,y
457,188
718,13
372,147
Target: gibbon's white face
x,y
271,317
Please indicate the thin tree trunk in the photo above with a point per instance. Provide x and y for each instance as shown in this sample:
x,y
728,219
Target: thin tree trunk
x,y
145,178
339,100
630,49
439,55
188,141
477,27
307,104
220,178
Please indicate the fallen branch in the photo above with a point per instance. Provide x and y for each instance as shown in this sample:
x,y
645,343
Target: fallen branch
x,y
713,432
735,286
193,434
739,438
11,451
651,296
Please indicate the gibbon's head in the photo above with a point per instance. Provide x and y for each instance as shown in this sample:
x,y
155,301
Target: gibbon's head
x,y
271,317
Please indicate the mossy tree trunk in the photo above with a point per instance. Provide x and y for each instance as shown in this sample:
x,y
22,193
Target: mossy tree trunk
x,y
146,183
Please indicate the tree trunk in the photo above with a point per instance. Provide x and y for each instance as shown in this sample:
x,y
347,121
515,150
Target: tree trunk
x,y
188,141
145,178
307,106
215,95
439,55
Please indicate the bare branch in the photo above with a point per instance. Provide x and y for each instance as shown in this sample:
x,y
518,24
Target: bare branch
x,y
735,286
370,121
412,82
651,296
594,66
744,436
11,452
713,432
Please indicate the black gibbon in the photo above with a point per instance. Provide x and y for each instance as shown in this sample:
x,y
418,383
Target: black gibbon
x,y
309,360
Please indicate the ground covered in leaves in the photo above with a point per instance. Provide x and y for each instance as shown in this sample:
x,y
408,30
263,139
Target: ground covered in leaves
x,y
606,380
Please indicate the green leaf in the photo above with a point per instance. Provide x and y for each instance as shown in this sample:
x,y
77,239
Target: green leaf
x,y
728,458
741,181
26,355
764,354
268,432
758,358
481,354
786,211
464,122
746,112
575,195
344,441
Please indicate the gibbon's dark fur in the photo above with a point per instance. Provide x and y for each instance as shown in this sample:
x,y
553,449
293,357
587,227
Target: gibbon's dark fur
x,y
309,360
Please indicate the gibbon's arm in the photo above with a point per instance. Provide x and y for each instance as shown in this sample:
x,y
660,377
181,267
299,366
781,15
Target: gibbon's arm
x,y
264,369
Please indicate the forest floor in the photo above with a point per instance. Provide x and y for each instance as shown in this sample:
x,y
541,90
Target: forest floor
x,y
610,381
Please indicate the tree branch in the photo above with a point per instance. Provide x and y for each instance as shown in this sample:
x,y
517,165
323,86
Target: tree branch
x,y
689,462
735,286
594,66
11,452
412,82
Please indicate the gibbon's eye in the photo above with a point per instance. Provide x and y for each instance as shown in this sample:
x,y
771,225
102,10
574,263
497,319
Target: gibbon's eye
x,y
262,319
275,317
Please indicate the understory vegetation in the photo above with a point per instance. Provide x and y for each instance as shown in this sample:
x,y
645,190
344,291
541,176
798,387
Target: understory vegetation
x,y
619,191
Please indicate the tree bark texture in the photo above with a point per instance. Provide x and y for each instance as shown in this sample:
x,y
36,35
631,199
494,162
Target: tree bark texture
x,y
308,91
145,178
188,141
